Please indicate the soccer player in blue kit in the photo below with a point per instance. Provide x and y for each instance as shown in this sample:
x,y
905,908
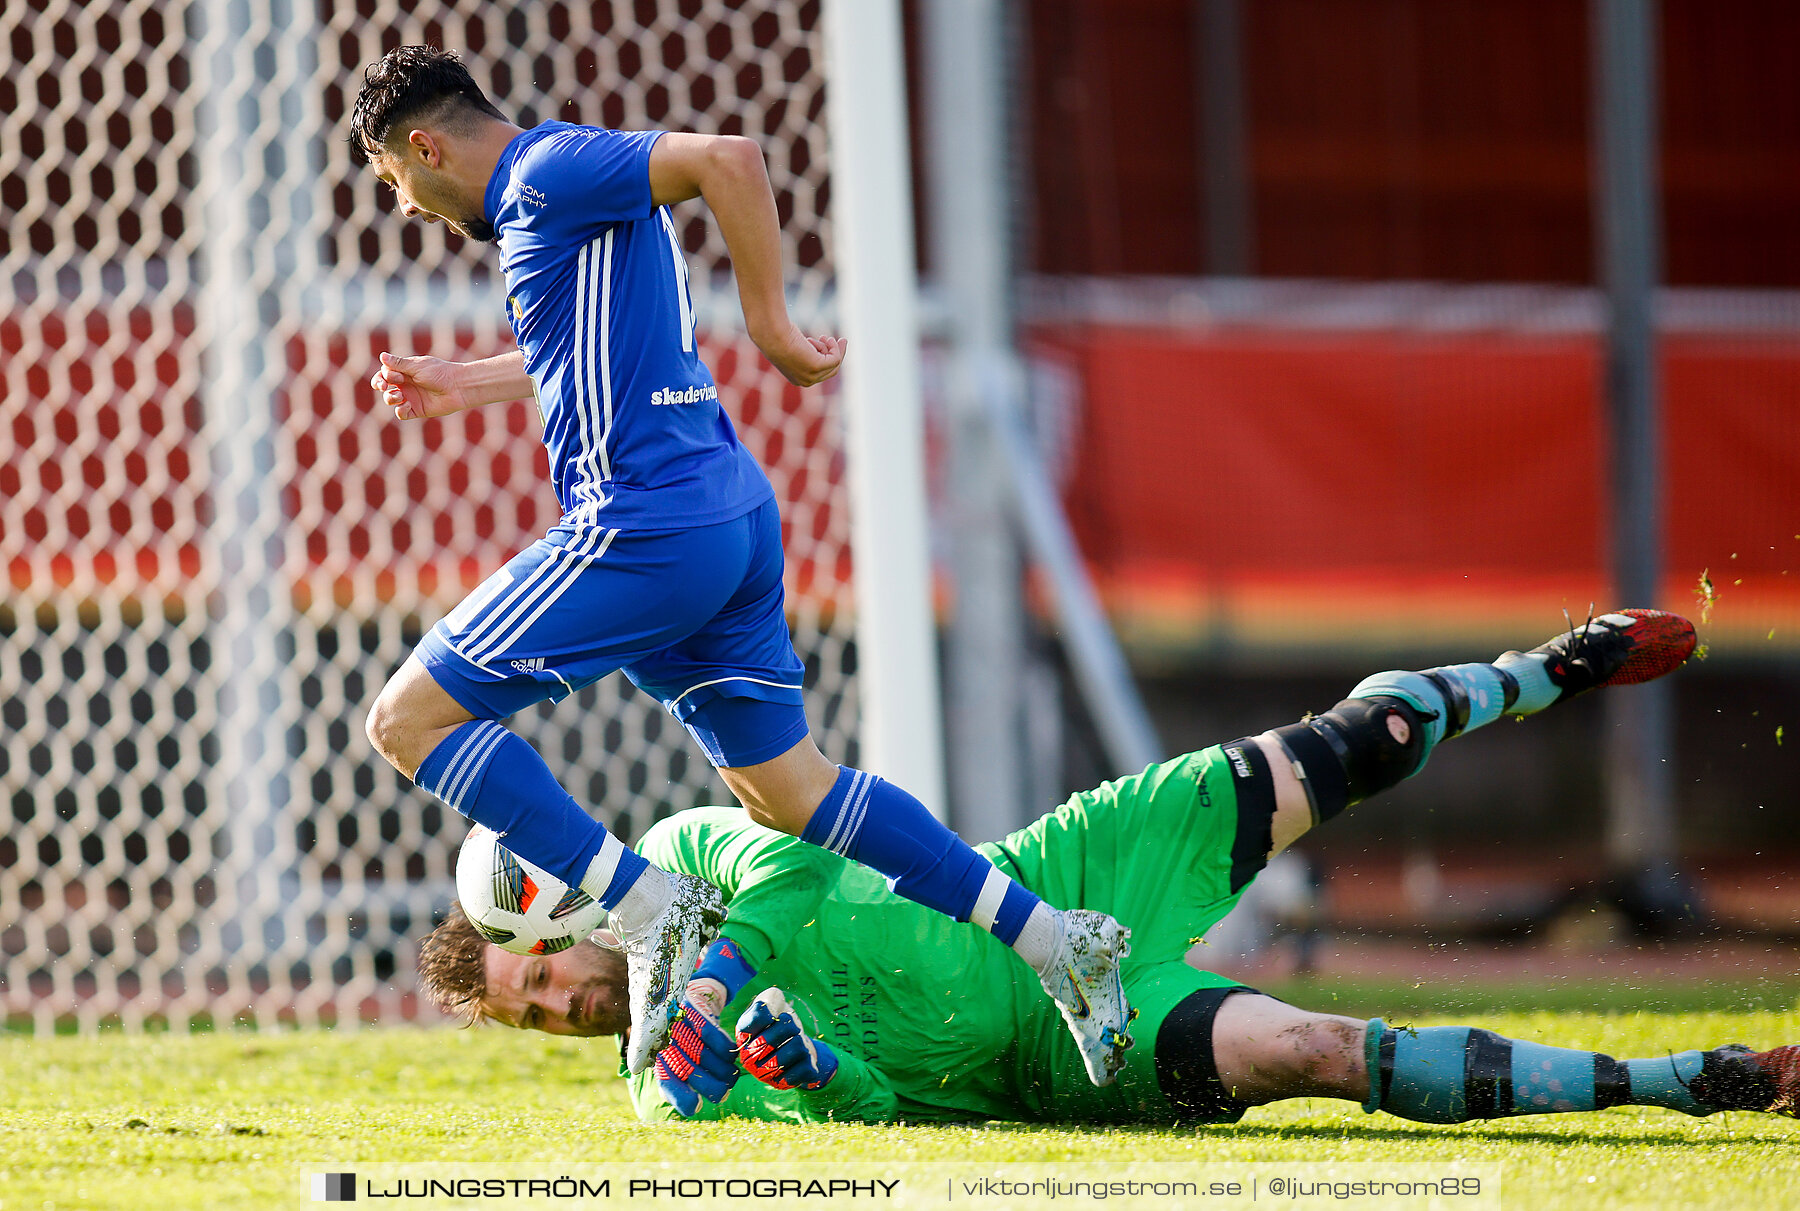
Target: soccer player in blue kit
x,y
667,560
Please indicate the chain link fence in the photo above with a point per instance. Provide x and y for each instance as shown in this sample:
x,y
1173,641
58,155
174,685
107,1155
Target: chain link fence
x,y
218,546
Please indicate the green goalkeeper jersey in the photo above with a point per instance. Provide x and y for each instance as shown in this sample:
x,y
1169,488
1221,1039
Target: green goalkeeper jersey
x,y
936,1020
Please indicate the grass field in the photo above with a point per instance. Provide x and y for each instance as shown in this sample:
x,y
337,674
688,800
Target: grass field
x,y
239,1120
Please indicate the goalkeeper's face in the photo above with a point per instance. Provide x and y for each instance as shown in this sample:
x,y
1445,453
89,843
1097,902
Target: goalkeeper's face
x,y
580,991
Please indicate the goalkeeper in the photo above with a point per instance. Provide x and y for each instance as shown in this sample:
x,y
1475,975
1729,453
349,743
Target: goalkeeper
x,y
848,1002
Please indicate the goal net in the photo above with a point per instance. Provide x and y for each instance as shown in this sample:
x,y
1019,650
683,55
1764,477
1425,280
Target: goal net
x,y
218,545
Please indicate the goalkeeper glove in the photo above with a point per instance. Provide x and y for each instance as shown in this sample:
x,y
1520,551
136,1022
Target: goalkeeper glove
x,y
700,1061
777,1052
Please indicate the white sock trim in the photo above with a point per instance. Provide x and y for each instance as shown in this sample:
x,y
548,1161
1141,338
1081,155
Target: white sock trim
x,y
987,904
603,867
1040,941
642,903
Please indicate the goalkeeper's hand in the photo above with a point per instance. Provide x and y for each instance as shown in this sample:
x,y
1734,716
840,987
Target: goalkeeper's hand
x,y
776,1051
700,1061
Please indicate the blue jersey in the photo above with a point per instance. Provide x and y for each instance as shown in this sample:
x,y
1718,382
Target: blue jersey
x,y
597,296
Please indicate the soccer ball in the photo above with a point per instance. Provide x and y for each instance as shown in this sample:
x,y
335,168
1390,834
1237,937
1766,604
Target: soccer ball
x,y
516,905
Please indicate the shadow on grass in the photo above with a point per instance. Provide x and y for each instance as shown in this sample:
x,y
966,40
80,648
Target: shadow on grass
x,y
1458,1133
1423,1133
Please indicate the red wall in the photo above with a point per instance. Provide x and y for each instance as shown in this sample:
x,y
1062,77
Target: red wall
x,y
1292,467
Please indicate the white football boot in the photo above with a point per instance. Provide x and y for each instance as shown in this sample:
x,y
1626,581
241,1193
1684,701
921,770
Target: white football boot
x,y
659,961
1084,982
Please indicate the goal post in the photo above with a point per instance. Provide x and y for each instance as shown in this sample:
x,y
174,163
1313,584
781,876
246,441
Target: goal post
x,y
219,547
878,312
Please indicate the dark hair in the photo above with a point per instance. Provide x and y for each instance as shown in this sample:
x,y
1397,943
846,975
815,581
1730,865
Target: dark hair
x,y
452,967
407,82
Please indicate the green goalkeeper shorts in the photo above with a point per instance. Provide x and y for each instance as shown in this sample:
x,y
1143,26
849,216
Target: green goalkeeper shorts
x,y
1161,852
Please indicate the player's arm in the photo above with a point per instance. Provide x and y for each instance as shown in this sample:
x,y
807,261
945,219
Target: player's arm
x,y
775,1050
419,387
728,173
772,885
858,1094
700,1064
798,1078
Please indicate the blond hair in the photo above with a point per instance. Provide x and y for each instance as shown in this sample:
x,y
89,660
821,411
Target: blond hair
x,y
452,968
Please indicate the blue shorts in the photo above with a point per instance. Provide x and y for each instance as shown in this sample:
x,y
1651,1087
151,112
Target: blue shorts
x,y
694,617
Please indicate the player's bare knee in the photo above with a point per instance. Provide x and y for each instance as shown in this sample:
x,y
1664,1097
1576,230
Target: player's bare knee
x,y
403,723
1311,1055
386,727
1323,1055
410,716
1267,1050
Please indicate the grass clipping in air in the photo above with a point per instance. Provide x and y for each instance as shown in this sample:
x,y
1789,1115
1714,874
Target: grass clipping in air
x,y
238,1120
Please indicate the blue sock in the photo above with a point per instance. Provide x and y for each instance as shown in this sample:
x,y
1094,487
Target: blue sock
x,y
876,823
1452,1074
495,778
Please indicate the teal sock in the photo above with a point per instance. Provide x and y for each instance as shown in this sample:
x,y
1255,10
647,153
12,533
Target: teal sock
x,y
1452,1074
1530,672
1458,698
1663,1081
1388,727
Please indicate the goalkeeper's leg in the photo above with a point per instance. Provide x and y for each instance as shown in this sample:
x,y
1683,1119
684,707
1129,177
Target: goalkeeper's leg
x,y
1224,1050
1388,726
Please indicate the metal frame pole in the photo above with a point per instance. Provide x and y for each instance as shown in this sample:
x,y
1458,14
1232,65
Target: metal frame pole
x,y
871,208
1640,840
1229,235
985,637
